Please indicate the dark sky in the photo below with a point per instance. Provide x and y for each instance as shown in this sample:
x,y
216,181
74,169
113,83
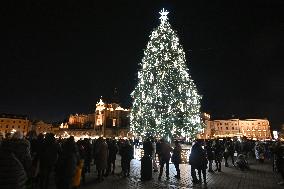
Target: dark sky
x,y
59,57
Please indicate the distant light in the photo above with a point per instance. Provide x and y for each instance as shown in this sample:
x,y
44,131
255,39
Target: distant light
x,y
239,138
275,134
13,131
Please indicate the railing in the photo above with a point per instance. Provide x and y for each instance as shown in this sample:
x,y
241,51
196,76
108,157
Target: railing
x,y
139,152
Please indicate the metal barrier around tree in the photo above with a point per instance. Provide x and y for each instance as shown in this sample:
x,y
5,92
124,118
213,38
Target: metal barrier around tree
x,y
139,152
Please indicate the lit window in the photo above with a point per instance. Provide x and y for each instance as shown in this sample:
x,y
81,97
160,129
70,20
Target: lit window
x,y
113,122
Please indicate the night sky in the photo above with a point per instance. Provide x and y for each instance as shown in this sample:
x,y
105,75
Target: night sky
x,y
59,57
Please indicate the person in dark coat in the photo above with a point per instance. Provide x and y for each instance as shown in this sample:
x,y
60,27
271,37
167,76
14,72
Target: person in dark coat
x,y
246,147
219,151
33,138
198,160
88,158
146,160
48,159
210,155
229,152
12,170
36,149
82,148
165,156
94,145
176,158
126,153
21,148
66,164
279,155
101,157
112,150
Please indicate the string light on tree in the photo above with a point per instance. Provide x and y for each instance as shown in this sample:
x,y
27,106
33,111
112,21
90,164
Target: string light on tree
x,y
165,101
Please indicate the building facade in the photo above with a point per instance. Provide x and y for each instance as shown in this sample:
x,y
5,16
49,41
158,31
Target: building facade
x,y
109,119
42,127
256,129
81,121
10,123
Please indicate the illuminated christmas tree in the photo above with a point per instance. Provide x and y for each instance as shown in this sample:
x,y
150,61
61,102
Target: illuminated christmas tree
x,y
165,100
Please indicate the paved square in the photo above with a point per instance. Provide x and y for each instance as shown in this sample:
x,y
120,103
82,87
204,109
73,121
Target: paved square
x,y
260,176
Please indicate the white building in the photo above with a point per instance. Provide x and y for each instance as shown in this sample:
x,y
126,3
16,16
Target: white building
x,y
257,129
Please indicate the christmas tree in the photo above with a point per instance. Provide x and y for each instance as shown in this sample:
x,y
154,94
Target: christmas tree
x,y
165,100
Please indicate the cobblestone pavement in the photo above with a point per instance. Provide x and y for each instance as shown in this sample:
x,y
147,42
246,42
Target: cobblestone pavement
x,y
260,176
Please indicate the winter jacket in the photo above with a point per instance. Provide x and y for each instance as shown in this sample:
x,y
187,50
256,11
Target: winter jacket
x,y
198,157
21,149
165,151
219,151
101,155
210,153
12,172
126,152
66,165
112,149
176,157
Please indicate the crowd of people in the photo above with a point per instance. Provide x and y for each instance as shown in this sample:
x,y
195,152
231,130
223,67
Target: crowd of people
x,y
32,161
206,154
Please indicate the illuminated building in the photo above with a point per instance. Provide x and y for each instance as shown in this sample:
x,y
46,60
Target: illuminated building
x,y
11,123
109,119
79,121
257,129
42,127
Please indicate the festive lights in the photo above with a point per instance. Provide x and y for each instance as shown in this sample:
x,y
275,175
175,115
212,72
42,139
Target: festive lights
x,y
165,100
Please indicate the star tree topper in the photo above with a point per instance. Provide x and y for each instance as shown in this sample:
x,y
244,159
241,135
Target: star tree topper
x,y
164,16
